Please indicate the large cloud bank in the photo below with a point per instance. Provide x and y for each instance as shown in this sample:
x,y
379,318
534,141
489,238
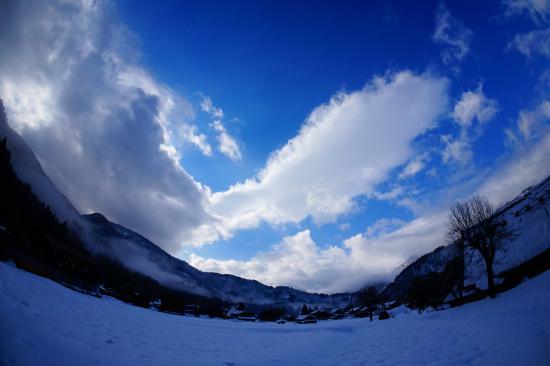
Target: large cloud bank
x,y
105,131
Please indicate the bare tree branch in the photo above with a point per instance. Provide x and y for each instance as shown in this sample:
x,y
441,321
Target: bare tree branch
x,y
476,224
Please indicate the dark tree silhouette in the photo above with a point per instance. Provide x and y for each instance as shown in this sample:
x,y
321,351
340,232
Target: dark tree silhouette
x,y
475,224
271,314
369,298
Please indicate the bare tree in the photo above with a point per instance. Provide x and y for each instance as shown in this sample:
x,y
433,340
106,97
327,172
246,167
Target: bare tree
x,y
369,297
475,224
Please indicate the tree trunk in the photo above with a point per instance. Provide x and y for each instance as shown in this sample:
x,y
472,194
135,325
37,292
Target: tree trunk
x,y
370,312
490,278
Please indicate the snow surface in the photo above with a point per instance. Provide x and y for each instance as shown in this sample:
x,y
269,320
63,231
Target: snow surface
x,y
42,322
529,216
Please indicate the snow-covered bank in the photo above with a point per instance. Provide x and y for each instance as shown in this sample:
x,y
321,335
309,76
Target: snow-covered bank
x,y
42,322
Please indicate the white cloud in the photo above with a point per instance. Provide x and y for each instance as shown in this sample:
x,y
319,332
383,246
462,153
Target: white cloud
x,y
532,43
451,33
536,42
472,107
456,149
344,226
413,167
35,101
388,195
374,255
208,107
298,261
537,10
191,134
383,226
343,150
527,166
530,124
74,89
227,145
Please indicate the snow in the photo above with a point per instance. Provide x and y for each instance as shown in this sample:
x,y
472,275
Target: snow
x,y
399,311
529,216
42,322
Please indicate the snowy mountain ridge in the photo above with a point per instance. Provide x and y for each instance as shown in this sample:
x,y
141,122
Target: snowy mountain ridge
x,y
142,255
528,215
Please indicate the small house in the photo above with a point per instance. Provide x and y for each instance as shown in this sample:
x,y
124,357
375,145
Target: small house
x,y
193,310
155,304
320,314
363,312
236,311
306,319
337,314
247,316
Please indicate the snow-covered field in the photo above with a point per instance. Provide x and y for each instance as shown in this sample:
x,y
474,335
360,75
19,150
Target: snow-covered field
x,y
43,323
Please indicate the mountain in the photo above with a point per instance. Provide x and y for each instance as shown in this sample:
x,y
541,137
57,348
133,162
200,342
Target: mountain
x,y
139,254
528,215
434,262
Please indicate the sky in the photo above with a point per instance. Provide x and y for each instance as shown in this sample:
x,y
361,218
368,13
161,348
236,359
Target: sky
x,y
311,144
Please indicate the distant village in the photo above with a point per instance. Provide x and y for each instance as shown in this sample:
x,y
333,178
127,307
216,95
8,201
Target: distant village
x,y
305,315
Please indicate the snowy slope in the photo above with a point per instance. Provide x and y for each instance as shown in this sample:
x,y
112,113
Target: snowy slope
x,y
41,321
528,214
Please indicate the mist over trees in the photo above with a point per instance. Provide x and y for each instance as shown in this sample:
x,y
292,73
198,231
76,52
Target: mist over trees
x,y
34,239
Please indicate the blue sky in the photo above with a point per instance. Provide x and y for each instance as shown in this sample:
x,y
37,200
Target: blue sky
x,y
267,66
308,143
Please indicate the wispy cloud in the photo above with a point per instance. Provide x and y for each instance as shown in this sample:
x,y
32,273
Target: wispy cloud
x,y
452,34
383,226
191,134
227,144
537,10
531,124
533,43
537,41
472,107
414,166
208,107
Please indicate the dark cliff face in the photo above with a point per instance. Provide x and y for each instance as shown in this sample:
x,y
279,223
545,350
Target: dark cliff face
x,y
29,170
